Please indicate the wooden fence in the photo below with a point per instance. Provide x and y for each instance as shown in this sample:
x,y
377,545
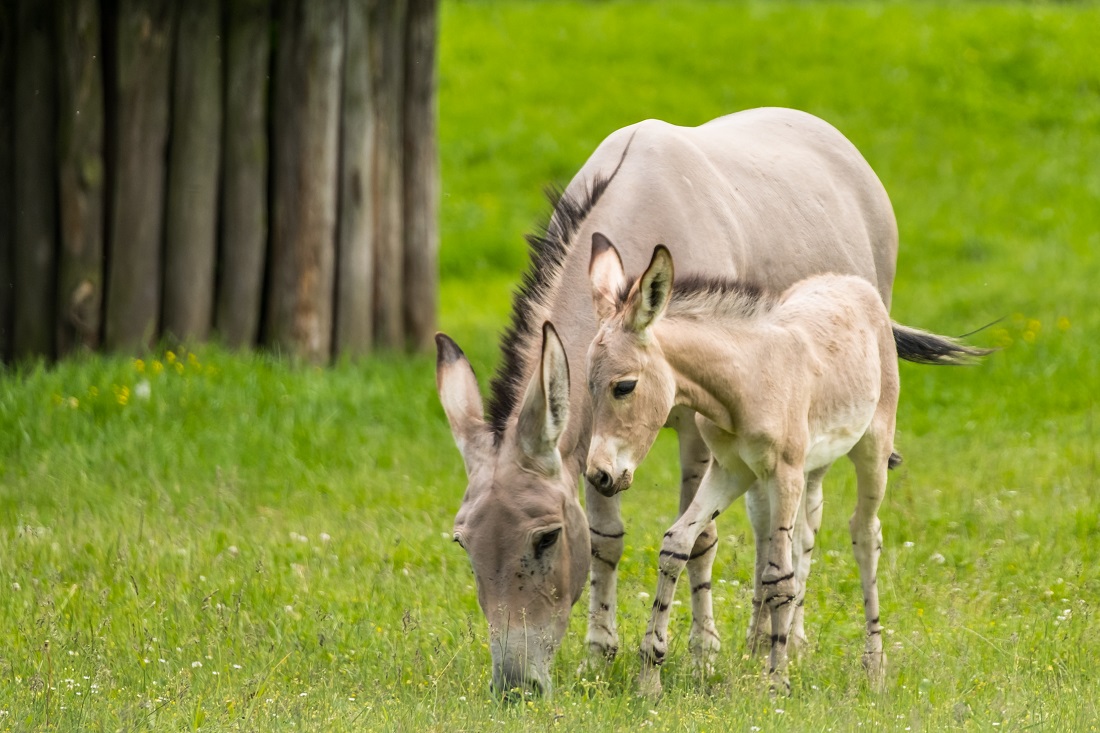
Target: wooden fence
x,y
262,172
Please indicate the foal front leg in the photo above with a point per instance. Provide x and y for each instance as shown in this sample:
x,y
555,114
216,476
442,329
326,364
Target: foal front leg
x,y
779,581
694,461
606,529
805,538
719,488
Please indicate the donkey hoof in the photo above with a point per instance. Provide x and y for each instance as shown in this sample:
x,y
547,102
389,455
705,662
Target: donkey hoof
x,y
779,685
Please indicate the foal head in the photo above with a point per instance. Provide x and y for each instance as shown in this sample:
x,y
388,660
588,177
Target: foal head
x,y
632,385
520,522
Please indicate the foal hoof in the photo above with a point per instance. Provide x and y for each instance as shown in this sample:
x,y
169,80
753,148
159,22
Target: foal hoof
x,y
875,665
649,682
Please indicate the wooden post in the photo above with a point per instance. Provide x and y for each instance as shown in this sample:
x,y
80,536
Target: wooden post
x,y
7,177
387,42
307,126
355,255
36,173
80,160
421,176
244,182
144,45
193,167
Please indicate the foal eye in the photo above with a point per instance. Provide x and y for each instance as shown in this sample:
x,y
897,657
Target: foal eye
x,y
623,388
547,541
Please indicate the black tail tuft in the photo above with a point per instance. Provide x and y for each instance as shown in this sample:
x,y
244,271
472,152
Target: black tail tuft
x,y
923,347
895,461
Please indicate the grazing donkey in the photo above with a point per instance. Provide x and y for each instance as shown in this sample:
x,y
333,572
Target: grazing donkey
x,y
769,194
783,384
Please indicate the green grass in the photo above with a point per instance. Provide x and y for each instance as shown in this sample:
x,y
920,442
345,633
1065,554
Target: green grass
x,y
260,545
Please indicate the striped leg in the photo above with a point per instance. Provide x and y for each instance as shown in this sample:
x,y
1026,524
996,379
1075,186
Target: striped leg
x,y
866,530
759,636
778,579
606,529
717,491
694,461
805,537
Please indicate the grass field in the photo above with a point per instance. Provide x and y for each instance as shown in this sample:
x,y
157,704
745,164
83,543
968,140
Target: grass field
x,y
202,540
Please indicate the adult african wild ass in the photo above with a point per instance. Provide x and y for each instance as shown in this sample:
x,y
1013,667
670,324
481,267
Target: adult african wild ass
x,y
768,194
783,385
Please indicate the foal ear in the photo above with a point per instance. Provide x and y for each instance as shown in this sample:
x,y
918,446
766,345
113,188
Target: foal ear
x,y
545,410
458,393
605,270
653,291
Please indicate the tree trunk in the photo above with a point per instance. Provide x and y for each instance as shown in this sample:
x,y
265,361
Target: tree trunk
x,y
80,154
421,176
244,183
7,177
35,170
144,45
387,41
355,273
192,206
307,126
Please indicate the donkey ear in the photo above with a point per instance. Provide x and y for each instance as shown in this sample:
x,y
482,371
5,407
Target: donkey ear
x,y
605,270
457,386
653,291
545,410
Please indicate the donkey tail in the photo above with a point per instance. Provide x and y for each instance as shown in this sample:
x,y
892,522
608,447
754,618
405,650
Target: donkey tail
x,y
923,347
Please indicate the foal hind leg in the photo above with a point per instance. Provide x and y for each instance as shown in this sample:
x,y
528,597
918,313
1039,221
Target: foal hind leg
x,y
606,530
871,458
704,641
809,521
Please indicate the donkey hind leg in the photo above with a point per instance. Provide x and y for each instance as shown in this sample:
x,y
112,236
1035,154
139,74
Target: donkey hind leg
x,y
809,522
719,488
704,641
760,625
871,465
779,581
606,529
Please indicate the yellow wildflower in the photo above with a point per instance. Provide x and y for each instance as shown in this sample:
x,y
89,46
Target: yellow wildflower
x,y
170,357
157,367
139,366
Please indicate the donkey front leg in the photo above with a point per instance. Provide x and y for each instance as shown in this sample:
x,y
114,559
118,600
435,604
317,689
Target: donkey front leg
x,y
779,581
694,461
719,488
606,529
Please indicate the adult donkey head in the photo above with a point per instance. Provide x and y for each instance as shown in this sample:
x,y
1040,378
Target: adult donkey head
x,y
520,521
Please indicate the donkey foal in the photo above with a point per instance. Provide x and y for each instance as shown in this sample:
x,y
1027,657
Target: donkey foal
x,y
784,384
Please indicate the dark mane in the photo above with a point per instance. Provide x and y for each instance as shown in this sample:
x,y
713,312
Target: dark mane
x,y
548,247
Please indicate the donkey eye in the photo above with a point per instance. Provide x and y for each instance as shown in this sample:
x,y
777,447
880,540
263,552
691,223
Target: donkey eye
x,y
547,541
623,388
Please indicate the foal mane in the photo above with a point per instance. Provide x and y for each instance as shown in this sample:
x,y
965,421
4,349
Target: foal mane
x,y
548,247
698,297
